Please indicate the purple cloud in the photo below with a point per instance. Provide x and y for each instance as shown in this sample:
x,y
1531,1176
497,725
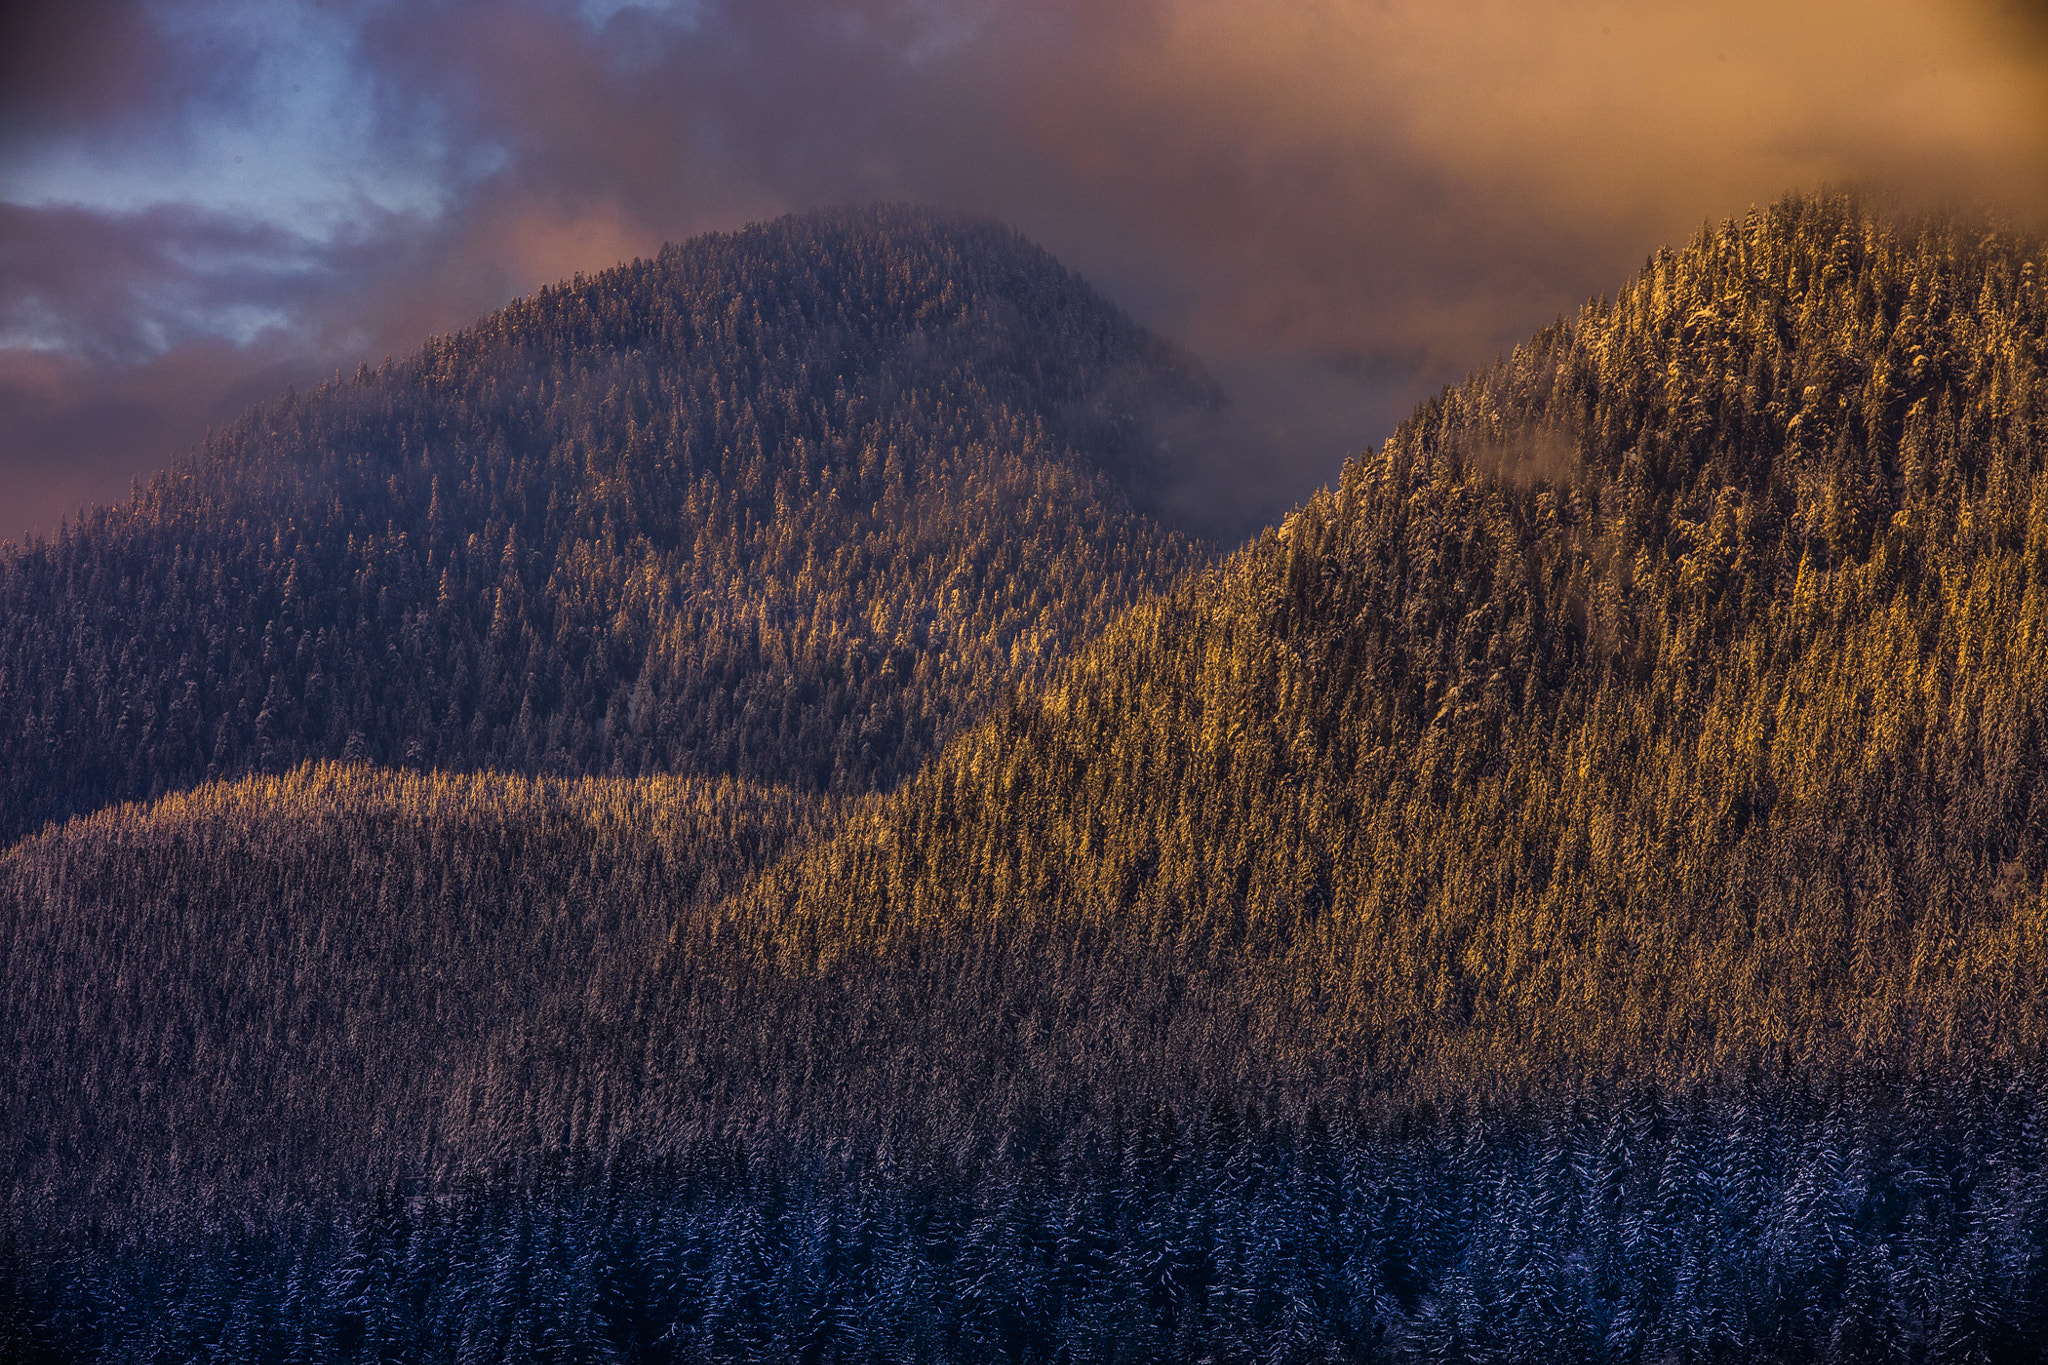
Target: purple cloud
x,y
1339,204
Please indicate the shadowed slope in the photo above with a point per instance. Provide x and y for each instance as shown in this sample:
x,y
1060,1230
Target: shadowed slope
x,y
303,983
786,504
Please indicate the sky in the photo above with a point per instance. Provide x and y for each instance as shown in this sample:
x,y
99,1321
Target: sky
x,y
1339,205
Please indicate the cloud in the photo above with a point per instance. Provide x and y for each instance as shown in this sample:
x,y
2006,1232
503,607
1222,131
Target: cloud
x,y
92,428
1340,203
88,63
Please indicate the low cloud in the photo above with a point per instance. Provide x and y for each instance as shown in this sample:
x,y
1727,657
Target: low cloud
x,y
1340,205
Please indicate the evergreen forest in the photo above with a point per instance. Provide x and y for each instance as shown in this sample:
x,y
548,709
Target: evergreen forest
x,y
714,816
784,505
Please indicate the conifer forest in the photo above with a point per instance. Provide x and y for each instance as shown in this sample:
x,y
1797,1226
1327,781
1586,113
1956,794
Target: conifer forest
x,y
719,815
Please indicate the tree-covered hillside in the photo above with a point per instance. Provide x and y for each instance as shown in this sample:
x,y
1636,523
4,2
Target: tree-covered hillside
x,y
285,987
785,504
1669,700
1576,890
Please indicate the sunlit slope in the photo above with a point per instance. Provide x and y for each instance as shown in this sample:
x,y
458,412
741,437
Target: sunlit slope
x,y
1574,891
787,504
1667,700
289,985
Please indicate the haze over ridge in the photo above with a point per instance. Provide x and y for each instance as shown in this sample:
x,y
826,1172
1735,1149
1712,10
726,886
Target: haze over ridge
x,y
1340,207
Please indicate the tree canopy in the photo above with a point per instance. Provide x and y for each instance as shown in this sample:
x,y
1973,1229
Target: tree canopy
x,y
804,866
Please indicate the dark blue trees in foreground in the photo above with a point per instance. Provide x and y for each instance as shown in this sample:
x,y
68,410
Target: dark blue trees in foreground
x,y
1758,1223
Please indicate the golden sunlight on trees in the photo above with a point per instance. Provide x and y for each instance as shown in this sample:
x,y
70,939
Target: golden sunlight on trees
x,y
1578,889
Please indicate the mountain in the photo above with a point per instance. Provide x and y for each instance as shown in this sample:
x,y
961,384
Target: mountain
x,y
1669,700
1575,890
285,986
785,505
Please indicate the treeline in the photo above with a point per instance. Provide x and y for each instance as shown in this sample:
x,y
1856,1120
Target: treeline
x,y
785,505
1785,1223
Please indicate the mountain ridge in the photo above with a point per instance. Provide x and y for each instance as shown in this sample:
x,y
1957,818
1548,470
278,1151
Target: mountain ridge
x,y
1506,755
610,557
1575,889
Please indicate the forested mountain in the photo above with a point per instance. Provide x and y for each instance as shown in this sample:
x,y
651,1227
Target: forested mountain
x,y
1669,700
1575,891
783,505
288,986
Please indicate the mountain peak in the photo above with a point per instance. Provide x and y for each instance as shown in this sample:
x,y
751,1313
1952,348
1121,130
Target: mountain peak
x,y
786,504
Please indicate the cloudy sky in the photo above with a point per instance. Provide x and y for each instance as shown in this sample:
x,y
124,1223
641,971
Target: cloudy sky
x,y
1339,204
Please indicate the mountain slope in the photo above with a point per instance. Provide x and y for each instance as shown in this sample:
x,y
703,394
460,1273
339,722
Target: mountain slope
x,y
1668,701
1574,891
292,986
1570,735
785,504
